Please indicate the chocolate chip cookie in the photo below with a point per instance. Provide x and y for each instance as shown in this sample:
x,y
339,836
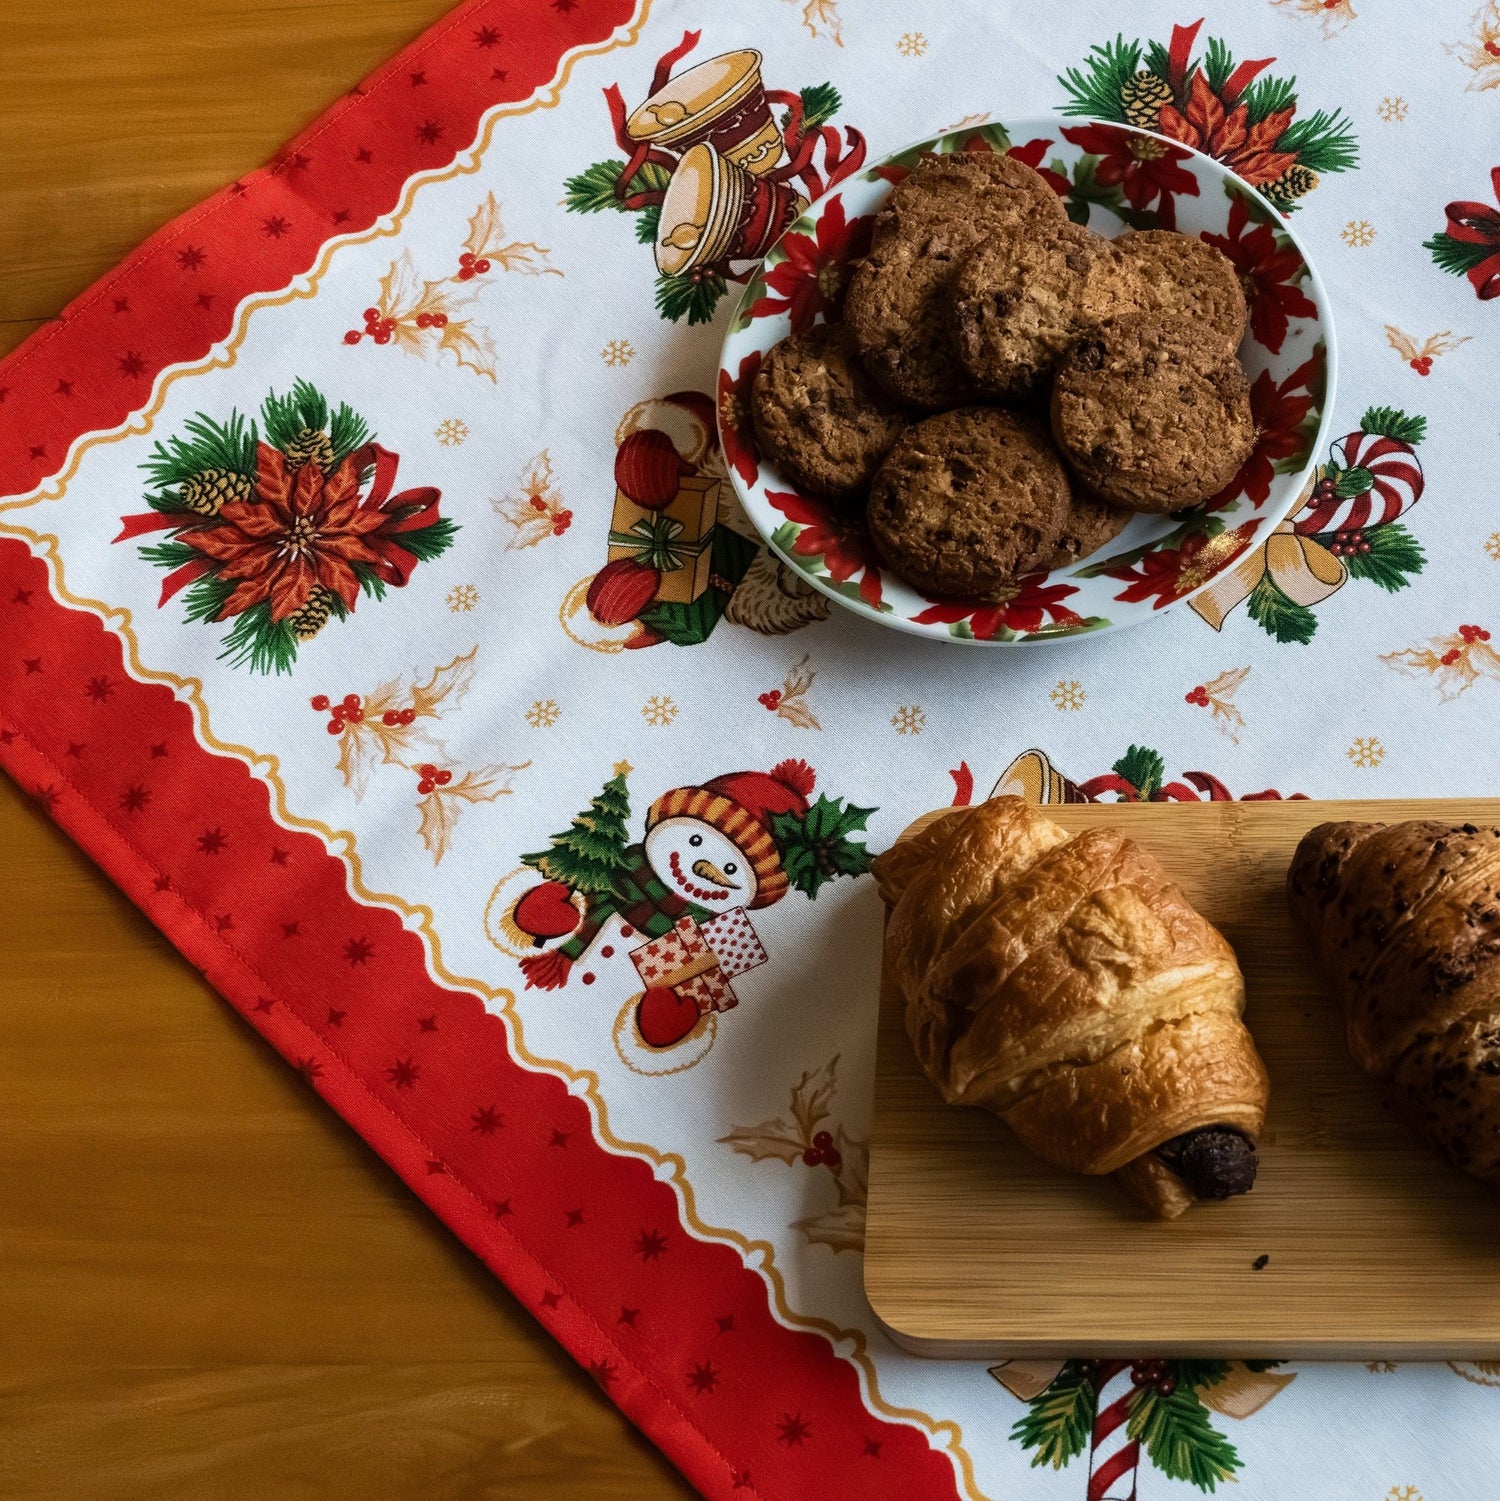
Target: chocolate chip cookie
x,y
1090,523
967,500
1152,413
819,417
1020,302
897,303
1177,275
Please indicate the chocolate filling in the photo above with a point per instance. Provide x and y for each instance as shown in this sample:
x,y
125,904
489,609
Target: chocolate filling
x,y
1216,1162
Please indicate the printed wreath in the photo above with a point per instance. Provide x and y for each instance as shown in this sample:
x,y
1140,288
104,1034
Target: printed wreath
x,y
280,533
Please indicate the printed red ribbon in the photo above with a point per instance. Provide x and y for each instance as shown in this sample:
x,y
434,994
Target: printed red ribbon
x,y
1478,224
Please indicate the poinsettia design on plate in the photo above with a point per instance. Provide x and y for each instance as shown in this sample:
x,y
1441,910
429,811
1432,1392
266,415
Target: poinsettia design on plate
x,y
802,1137
736,431
1270,269
1030,607
1287,414
1165,571
1469,245
281,533
1228,111
1135,175
823,542
808,268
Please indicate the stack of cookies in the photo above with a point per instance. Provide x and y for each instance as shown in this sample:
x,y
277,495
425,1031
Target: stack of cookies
x,y
1006,388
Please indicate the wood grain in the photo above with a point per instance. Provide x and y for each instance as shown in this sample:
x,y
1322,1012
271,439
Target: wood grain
x,y
1377,1248
208,1285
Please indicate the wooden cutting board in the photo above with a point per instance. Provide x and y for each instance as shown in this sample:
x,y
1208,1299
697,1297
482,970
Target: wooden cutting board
x,y
1374,1247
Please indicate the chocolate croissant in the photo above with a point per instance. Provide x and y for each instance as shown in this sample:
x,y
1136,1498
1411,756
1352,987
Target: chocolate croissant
x,y
1064,983
1406,921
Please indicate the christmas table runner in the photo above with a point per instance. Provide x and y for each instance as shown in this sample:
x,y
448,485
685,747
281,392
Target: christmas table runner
x,y
378,614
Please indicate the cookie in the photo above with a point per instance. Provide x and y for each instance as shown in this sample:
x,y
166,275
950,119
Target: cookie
x,y
1152,413
1021,301
897,302
819,418
967,500
1179,276
1090,523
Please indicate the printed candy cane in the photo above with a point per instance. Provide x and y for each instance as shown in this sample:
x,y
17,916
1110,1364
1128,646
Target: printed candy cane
x,y
1115,1455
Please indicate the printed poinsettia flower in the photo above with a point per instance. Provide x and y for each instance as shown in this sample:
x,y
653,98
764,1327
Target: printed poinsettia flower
x,y
1227,135
1147,171
1168,573
1031,153
1269,271
1279,412
810,279
294,533
1023,608
736,432
842,546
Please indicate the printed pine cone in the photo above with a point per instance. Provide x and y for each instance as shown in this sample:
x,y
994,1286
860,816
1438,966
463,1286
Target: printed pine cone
x,y
1142,98
210,490
311,617
309,444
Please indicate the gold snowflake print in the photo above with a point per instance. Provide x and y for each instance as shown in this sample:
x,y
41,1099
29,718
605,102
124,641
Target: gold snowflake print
x,y
543,714
1068,694
1380,1367
658,710
1492,546
1366,751
462,598
911,44
617,352
908,720
1403,1493
1392,108
1358,233
451,432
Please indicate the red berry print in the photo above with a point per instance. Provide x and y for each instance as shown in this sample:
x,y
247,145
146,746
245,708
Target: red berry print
x,y
439,320
427,769
466,274
335,726
823,1140
353,336
812,1157
390,717
481,267
538,503
407,716
443,778
372,314
425,786
1472,633
467,258
1198,695
1450,656
561,522
320,702
1422,365
771,700
589,977
383,337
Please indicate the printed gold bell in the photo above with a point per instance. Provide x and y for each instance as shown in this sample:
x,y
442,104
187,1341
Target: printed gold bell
x,y
721,101
713,211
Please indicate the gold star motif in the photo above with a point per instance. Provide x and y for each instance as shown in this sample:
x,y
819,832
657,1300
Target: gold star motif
x,y
623,768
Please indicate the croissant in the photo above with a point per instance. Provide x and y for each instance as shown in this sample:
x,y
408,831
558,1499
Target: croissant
x,y
1064,983
1406,921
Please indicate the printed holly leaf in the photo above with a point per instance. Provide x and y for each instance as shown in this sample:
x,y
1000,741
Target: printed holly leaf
x,y
810,1096
486,241
536,512
445,689
1454,664
440,808
359,755
796,713
401,288
853,1175
471,344
841,1229
1221,690
773,1138
1143,768
792,705
816,848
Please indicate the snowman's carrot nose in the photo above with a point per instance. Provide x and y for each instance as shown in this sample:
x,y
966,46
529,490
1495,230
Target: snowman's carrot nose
x,y
706,870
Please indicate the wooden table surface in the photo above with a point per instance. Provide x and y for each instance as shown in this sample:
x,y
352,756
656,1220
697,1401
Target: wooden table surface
x,y
160,1167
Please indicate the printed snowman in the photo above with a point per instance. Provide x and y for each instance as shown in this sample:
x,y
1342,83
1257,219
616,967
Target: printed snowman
x,y
681,896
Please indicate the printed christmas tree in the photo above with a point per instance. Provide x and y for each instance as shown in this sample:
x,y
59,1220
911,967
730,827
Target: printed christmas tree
x,y
589,854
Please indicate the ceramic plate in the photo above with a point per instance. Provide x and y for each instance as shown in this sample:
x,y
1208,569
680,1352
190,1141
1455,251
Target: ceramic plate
x,y
1106,175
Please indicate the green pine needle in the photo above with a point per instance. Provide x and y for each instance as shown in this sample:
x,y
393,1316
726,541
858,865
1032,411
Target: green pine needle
x,y
286,417
1218,63
1267,95
1199,1373
679,297
255,640
346,432
209,445
1159,61
205,597
169,554
820,103
1057,1422
1143,768
1279,616
647,222
1455,256
370,582
429,541
1322,142
170,503
593,190
1391,422
1095,88
1180,1440
1394,556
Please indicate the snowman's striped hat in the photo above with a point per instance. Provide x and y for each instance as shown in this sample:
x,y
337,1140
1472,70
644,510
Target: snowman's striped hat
x,y
741,806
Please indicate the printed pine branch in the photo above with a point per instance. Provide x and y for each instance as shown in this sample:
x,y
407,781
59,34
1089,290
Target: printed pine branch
x,y
820,103
266,645
1282,618
347,431
1393,557
428,541
1094,89
1179,1439
1391,422
1267,95
1058,1422
593,190
1143,768
286,417
209,445
1218,64
1322,142
1455,256
686,296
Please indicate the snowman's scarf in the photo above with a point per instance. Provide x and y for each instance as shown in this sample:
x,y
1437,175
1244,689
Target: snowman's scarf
x,y
642,901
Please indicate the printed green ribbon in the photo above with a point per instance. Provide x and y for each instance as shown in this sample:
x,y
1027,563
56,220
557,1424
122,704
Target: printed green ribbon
x,y
657,541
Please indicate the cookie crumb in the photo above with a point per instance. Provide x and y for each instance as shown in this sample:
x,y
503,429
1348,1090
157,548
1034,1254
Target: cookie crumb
x,y
1260,1263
